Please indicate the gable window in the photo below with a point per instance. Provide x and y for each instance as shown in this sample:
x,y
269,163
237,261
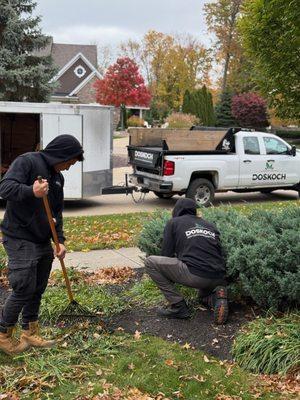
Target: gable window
x,y
80,71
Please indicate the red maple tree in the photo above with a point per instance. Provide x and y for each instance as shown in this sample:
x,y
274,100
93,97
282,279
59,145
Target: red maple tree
x,y
122,85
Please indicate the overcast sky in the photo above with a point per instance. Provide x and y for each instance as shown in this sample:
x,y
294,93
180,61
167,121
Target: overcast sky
x,y
109,22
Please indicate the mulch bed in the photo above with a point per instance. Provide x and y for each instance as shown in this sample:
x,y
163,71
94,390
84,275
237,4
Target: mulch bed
x,y
199,332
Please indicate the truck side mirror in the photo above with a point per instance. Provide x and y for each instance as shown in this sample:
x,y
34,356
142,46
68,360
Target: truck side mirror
x,y
293,151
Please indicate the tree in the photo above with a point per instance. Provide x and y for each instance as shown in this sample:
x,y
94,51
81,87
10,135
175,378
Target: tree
x,y
24,74
122,86
171,65
221,18
270,31
223,113
199,103
250,110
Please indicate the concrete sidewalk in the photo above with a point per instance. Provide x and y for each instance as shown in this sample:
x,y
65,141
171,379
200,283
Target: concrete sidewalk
x,y
97,259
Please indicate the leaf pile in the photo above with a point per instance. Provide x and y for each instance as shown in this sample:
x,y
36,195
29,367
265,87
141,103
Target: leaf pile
x,y
104,276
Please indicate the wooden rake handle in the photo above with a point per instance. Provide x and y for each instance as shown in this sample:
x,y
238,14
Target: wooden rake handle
x,y
56,242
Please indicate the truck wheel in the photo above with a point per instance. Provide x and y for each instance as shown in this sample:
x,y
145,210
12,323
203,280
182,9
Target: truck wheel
x,y
161,195
202,191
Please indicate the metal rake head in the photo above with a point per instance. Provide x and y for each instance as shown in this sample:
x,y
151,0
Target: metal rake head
x,y
74,313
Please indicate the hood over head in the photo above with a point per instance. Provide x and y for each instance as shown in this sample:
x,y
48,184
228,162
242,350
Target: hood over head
x,y
184,207
61,149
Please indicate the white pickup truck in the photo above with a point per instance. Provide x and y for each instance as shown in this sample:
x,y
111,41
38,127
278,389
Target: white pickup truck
x,y
244,161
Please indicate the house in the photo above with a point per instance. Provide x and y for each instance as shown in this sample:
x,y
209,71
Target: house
x,y
77,71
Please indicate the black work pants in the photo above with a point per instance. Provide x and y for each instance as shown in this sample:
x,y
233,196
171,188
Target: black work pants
x,y
29,266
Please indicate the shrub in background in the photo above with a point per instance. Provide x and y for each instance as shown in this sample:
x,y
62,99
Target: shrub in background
x,y
135,121
181,120
269,345
250,110
199,103
262,251
223,112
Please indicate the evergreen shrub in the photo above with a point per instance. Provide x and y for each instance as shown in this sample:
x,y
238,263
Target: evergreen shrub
x,y
262,251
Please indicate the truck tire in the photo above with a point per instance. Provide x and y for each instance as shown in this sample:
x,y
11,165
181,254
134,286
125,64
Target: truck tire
x,y
202,191
267,191
161,195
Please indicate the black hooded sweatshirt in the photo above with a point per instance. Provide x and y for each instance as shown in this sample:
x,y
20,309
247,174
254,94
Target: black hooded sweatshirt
x,y
25,216
194,241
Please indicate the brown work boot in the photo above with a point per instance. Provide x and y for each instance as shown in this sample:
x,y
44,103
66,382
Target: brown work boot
x,y
31,337
220,305
9,345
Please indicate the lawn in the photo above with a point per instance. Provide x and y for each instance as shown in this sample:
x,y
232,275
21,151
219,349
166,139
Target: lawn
x,y
91,364
141,358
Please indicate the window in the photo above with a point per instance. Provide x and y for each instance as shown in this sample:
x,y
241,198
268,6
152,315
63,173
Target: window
x,y
79,71
251,145
275,146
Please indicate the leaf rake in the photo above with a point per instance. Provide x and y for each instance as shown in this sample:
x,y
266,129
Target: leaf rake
x,y
74,313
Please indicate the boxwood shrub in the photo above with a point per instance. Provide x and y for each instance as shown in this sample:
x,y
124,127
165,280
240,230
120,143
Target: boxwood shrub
x,y
262,250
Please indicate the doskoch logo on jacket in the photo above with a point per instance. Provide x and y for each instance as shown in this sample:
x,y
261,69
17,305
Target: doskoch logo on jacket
x,y
199,230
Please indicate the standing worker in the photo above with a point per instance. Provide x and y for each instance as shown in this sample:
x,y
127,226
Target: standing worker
x,y
26,235
192,256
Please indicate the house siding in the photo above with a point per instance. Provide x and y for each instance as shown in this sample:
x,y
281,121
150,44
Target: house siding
x,y
88,93
69,81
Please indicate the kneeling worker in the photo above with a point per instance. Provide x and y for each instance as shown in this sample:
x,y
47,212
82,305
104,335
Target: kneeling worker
x,y
191,256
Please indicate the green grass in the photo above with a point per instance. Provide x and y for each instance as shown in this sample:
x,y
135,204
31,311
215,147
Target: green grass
x,y
103,232
270,345
88,361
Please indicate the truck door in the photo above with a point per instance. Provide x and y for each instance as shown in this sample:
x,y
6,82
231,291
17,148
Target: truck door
x,y
53,125
252,162
281,166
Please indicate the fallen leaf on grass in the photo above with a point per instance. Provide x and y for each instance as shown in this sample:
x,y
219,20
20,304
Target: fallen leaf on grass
x,y
137,335
206,359
131,366
9,396
169,363
186,346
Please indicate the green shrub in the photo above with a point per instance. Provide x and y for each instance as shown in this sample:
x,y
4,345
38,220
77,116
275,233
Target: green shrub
x,y
181,120
135,121
269,345
288,134
262,250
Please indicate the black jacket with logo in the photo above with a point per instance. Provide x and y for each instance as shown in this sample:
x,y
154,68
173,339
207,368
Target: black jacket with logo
x,y
194,241
25,216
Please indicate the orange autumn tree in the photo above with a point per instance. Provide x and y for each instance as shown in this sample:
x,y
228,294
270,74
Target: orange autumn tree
x,y
122,86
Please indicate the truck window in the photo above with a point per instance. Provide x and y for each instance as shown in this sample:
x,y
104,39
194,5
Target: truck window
x,y
251,145
275,146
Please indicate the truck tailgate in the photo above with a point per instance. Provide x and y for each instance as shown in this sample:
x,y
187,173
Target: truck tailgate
x,y
147,159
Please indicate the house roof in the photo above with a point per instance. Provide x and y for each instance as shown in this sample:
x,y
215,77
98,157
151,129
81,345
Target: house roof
x,y
63,53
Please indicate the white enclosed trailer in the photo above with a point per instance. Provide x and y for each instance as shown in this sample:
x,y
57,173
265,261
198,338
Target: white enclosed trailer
x,y
28,127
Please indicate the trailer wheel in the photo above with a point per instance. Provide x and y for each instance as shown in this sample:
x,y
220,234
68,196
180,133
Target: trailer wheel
x,y
202,191
161,195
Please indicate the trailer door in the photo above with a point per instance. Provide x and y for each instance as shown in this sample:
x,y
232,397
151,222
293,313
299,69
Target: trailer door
x,y
53,125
